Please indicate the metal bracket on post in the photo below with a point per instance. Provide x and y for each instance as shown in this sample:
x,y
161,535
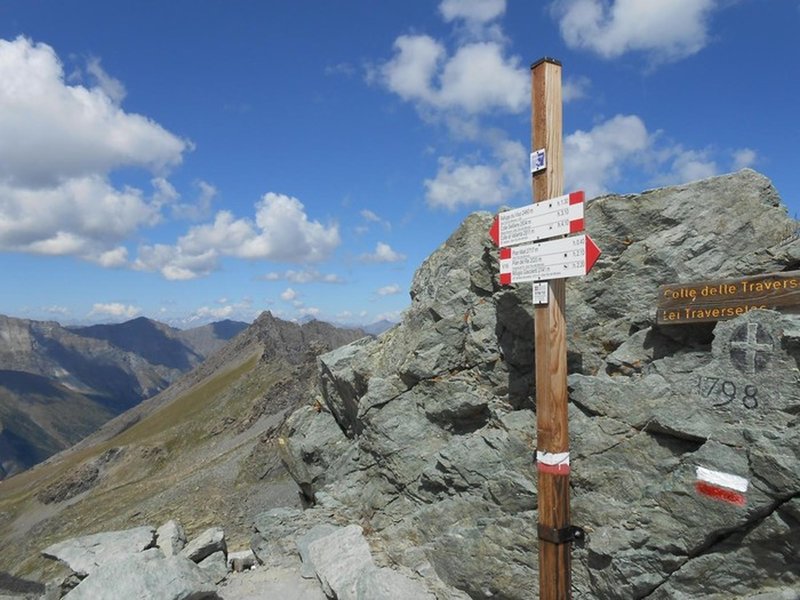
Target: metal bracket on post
x,y
564,535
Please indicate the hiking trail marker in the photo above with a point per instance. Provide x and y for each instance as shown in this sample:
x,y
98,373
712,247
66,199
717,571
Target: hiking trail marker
x,y
524,257
555,217
547,219
554,259
538,161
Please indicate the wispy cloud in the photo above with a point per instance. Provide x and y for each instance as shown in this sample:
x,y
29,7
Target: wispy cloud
x,y
383,254
389,290
744,157
115,310
303,276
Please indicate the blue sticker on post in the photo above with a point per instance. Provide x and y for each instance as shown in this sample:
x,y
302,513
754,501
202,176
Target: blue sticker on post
x,y
538,161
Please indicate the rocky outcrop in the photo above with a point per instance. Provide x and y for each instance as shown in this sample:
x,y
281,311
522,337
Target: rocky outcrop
x,y
337,564
122,565
171,538
426,436
204,545
296,343
86,554
148,574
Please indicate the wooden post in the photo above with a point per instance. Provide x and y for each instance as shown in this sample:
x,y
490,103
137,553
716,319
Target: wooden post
x,y
552,429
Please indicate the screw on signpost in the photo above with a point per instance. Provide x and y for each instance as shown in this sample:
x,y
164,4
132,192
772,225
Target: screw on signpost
x,y
552,431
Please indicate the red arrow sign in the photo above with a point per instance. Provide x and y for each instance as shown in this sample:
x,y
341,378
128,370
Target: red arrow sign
x,y
550,218
554,259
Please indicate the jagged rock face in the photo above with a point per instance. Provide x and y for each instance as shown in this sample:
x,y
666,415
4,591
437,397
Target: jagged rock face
x,y
427,434
729,226
296,343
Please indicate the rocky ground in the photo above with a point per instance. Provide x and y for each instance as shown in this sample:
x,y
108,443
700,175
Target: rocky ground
x,y
326,561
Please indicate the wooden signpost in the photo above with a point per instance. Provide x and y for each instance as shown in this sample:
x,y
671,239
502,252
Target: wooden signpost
x,y
552,430
553,215
706,301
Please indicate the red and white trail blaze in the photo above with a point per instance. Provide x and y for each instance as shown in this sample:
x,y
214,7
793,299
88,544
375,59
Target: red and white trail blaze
x,y
556,463
721,486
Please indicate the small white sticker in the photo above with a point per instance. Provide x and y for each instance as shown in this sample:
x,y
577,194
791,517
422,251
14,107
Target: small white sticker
x,y
541,292
538,161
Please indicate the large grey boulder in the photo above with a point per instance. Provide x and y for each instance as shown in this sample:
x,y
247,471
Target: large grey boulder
x,y
387,584
205,544
85,554
436,438
215,566
728,226
339,559
278,530
719,410
304,542
171,538
148,574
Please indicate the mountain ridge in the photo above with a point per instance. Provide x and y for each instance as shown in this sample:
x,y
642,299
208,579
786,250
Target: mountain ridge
x,y
86,375
213,431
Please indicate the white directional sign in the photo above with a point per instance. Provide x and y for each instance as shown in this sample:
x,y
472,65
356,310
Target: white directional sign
x,y
554,259
550,218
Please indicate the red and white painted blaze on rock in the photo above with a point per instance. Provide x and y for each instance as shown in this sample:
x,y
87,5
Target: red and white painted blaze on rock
x,y
546,219
721,486
556,463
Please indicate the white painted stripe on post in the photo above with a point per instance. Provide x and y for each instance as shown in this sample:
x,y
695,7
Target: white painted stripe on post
x,y
552,458
733,482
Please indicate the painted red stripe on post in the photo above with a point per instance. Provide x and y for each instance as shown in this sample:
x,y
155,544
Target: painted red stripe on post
x,y
720,493
576,197
505,253
576,226
505,278
560,469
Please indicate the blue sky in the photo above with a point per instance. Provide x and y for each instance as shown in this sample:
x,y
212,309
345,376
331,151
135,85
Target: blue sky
x,y
196,160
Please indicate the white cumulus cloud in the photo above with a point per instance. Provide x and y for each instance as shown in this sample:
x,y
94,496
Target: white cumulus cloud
x,y
667,30
281,231
477,78
575,88
597,159
594,159
288,294
687,165
467,183
83,216
307,275
113,88
383,254
58,144
52,131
